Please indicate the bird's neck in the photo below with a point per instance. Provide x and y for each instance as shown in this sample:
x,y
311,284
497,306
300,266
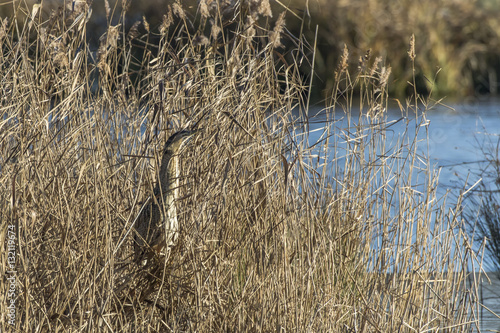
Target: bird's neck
x,y
169,175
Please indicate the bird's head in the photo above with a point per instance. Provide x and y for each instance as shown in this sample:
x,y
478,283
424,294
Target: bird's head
x,y
177,141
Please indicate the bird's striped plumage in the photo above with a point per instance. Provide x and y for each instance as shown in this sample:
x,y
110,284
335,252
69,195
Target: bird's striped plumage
x,y
156,225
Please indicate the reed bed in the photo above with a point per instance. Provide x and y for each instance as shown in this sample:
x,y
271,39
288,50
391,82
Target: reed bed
x,y
278,232
458,39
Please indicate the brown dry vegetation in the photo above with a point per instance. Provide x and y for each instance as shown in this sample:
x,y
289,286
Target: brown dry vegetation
x,y
459,38
277,233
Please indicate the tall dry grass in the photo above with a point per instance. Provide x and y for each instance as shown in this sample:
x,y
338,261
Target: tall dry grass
x,y
460,39
278,233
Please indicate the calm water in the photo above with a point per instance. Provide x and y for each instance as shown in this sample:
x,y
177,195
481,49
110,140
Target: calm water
x,y
490,298
457,133
457,136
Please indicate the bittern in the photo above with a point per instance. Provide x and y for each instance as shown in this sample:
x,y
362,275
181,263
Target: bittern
x,y
157,227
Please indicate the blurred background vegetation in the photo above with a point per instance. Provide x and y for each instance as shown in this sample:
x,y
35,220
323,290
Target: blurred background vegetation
x,y
457,41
